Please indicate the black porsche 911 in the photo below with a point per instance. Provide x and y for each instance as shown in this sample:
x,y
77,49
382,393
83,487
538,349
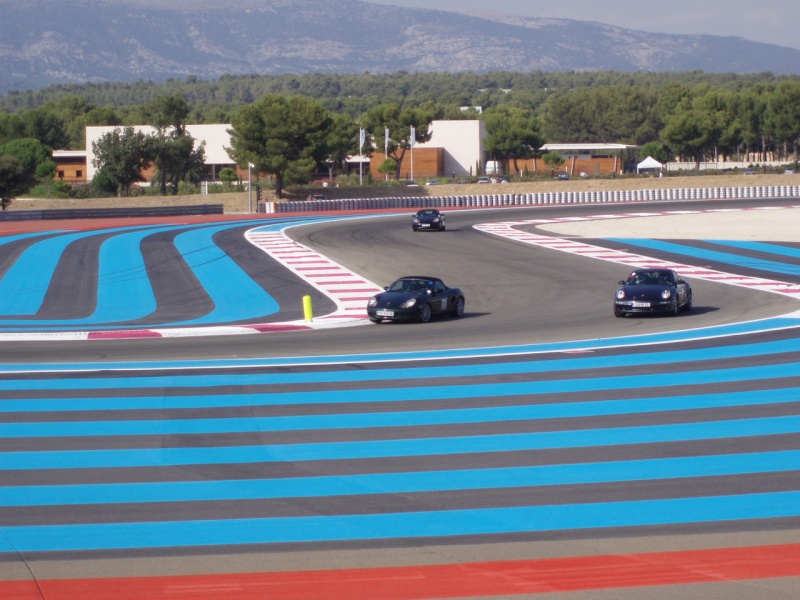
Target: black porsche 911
x,y
428,219
653,291
415,298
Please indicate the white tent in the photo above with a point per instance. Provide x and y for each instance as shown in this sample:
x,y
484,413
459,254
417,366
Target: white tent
x,y
649,164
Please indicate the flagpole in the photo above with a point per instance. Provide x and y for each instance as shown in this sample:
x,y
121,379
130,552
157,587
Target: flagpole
x,y
361,138
412,137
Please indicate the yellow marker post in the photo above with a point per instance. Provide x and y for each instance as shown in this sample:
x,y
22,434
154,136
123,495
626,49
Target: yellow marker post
x,y
308,311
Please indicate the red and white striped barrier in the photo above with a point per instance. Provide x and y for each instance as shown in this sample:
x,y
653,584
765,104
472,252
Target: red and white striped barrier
x,y
541,198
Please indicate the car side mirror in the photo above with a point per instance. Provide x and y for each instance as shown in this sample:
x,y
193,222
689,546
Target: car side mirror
x,y
386,287
622,282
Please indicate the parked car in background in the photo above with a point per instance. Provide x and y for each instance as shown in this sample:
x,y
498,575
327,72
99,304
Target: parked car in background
x,y
563,177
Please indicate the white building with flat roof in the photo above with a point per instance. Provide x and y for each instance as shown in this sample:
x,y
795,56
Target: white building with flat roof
x,y
462,142
216,138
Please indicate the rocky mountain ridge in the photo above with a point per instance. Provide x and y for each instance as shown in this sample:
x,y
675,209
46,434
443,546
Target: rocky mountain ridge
x,y
47,42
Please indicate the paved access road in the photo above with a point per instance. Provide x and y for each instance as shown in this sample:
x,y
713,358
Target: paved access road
x,y
537,445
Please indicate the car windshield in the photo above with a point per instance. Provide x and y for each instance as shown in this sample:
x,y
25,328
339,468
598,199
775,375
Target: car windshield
x,y
426,213
411,285
651,278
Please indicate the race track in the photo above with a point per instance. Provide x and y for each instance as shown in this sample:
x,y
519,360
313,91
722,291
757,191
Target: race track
x,y
537,445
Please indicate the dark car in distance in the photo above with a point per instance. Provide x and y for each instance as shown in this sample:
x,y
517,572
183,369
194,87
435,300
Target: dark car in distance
x,y
415,298
652,291
428,219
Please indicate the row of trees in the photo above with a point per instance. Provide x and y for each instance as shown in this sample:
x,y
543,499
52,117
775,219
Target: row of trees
x,y
353,94
698,123
292,134
23,162
288,137
591,107
122,155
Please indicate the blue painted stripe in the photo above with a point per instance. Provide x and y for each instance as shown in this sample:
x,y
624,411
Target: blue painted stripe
x,y
198,380
402,483
25,284
526,388
787,322
7,239
391,419
269,453
57,429
124,292
760,247
481,521
723,257
235,295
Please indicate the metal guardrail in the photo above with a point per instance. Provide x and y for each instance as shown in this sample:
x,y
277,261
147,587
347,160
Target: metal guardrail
x,y
110,213
612,196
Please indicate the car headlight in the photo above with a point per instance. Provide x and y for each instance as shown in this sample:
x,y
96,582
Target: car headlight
x,y
373,301
416,221
620,294
409,303
666,294
436,220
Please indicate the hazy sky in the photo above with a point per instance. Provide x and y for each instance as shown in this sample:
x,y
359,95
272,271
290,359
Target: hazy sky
x,y
769,21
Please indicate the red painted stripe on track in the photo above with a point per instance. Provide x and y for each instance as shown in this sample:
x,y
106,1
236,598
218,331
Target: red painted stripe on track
x,y
466,580
123,334
8,227
277,327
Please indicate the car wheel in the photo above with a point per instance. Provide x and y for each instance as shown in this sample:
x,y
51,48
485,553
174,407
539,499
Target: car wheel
x,y
424,313
688,306
618,312
375,320
676,308
458,311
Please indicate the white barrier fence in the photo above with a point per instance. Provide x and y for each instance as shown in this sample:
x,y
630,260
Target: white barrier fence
x,y
541,198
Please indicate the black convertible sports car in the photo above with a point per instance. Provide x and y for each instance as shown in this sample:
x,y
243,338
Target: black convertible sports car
x,y
428,218
652,291
416,298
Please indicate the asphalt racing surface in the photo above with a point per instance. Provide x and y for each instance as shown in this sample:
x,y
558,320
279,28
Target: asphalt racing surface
x,y
536,447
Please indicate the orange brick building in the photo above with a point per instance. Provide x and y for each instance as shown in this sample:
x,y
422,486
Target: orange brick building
x,y
70,166
427,162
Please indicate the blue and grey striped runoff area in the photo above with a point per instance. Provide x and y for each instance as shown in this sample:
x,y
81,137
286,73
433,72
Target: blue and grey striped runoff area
x,y
369,452
367,455
121,281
